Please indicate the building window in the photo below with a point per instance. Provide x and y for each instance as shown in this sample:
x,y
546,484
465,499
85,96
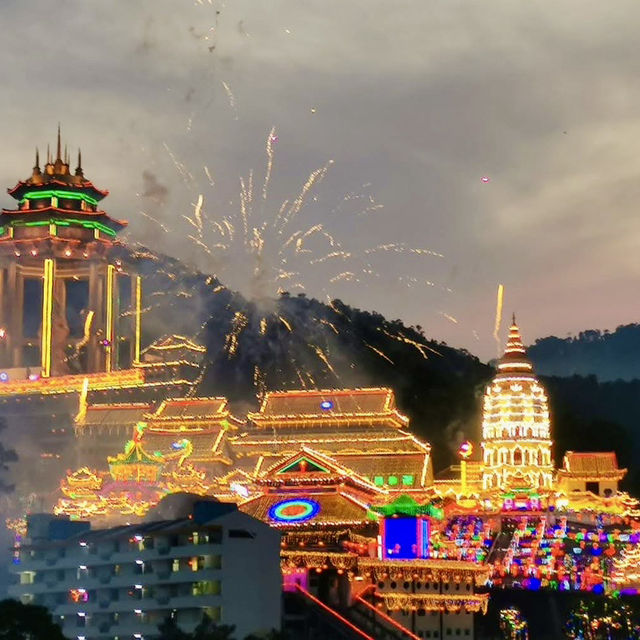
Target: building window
x,y
175,565
393,480
407,481
206,588
378,481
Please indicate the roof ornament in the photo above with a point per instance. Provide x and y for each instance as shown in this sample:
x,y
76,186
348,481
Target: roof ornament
x,y
79,167
59,144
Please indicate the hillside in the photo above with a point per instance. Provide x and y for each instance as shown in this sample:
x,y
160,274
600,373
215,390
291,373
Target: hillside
x,y
607,355
297,342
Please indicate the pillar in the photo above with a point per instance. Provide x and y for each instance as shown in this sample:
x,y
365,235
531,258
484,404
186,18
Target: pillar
x,y
47,317
136,317
96,304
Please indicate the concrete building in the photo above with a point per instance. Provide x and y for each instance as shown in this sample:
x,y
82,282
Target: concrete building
x,y
123,582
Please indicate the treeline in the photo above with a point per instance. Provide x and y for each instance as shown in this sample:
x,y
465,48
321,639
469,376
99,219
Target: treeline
x,y
607,355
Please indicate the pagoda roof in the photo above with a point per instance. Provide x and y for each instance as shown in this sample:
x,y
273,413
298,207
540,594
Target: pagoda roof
x,y
191,408
114,414
514,360
17,216
135,454
329,406
173,348
57,173
591,464
308,466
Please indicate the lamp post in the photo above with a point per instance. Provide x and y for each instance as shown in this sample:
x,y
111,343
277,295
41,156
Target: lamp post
x,y
464,451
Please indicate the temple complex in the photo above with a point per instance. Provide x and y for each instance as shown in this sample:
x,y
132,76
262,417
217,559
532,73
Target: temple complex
x,y
368,532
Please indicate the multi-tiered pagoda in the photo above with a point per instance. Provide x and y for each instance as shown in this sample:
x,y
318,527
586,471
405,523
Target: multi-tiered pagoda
x,y
60,287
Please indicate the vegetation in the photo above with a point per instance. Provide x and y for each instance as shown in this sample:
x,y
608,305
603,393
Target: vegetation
x,y
209,630
607,355
27,622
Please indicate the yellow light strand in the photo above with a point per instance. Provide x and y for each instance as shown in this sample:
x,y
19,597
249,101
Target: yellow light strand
x,y
109,321
47,309
136,357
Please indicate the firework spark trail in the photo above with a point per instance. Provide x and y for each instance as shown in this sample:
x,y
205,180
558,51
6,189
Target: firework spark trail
x,y
208,174
320,353
201,244
422,348
154,220
379,352
329,256
448,317
330,325
401,247
348,276
315,178
197,214
263,326
496,328
231,98
285,323
238,323
181,168
267,175
246,202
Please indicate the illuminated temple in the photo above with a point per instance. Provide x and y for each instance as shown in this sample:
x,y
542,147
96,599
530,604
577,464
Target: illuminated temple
x,y
367,527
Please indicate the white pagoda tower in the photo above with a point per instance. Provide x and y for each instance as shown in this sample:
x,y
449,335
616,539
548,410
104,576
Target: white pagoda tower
x,y
516,438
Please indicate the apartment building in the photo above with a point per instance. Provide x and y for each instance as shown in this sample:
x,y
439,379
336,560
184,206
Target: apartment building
x,y
123,582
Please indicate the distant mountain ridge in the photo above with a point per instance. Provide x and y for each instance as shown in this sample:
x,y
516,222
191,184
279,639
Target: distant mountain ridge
x,y
607,355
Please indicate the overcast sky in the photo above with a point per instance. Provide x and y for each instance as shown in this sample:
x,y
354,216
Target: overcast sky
x,y
419,100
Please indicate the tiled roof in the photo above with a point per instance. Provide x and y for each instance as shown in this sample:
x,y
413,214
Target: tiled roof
x,y
338,402
115,414
590,462
191,408
385,465
333,440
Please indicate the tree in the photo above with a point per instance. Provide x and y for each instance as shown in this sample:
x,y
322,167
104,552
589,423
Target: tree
x,y
169,630
209,630
6,457
269,635
27,622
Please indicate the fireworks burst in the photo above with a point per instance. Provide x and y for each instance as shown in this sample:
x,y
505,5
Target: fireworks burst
x,y
263,250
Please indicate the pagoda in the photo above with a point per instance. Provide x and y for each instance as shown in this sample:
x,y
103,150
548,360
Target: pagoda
x,y
56,265
516,437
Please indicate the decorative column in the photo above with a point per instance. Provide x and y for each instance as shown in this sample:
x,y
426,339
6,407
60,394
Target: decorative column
x,y
47,312
136,307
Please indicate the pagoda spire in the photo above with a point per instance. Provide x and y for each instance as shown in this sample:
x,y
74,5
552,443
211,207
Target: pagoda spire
x,y
59,145
79,167
36,166
514,360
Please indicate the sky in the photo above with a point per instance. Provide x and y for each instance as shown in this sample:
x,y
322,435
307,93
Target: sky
x,y
409,104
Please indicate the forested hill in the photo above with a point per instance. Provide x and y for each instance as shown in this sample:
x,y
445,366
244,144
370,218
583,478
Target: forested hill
x,y
607,355
296,342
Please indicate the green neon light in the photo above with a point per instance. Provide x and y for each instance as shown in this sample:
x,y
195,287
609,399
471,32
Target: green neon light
x,y
314,466
68,195
87,224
